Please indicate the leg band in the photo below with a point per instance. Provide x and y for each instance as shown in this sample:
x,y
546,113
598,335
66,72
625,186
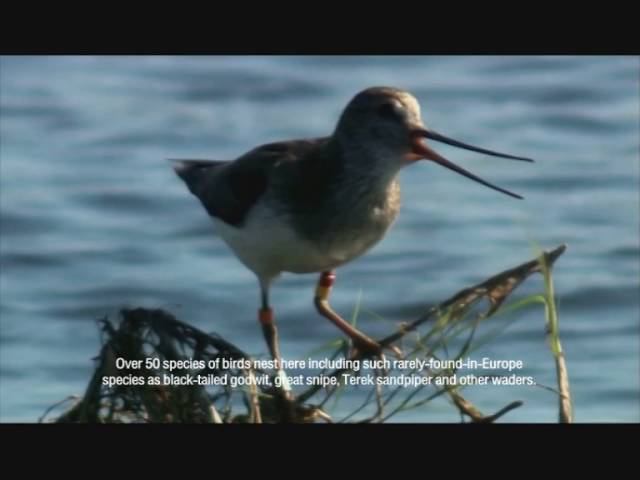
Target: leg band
x,y
324,285
265,316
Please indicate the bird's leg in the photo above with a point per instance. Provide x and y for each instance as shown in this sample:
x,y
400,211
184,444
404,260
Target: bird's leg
x,y
268,323
270,332
361,341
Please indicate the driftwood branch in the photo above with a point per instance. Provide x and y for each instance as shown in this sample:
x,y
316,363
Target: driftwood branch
x,y
144,333
495,289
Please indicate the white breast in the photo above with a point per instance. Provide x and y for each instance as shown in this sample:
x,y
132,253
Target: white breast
x,y
268,246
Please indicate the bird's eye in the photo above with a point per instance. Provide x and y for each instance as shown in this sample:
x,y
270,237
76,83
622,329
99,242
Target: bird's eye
x,y
388,110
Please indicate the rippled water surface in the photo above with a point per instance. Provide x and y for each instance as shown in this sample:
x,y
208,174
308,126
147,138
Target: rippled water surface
x,y
93,218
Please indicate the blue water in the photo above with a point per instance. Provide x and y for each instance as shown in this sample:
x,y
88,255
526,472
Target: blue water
x,y
93,218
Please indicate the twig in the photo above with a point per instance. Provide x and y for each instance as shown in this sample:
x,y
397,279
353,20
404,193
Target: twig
x,y
565,410
57,404
496,288
467,408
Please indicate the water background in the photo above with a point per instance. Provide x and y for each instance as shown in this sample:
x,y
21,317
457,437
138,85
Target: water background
x,y
93,219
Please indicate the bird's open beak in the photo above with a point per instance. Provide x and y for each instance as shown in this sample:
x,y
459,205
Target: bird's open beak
x,y
421,150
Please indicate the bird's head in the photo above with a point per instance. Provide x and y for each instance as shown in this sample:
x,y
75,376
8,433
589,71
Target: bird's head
x,y
385,125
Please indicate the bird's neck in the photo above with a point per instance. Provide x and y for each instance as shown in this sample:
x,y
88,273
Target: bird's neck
x,y
367,169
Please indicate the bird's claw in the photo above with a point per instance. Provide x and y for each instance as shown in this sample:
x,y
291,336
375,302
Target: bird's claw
x,y
374,349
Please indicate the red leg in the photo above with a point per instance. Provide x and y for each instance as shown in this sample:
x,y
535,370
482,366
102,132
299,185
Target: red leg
x,y
270,332
321,300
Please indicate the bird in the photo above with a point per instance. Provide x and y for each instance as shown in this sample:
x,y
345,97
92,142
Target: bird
x,y
311,205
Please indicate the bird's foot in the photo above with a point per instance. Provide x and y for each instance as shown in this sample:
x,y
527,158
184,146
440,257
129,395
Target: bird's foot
x,y
371,348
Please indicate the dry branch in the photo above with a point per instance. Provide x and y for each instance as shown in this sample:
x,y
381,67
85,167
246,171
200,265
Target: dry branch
x,y
143,334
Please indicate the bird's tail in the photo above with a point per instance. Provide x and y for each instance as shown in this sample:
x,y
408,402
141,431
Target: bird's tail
x,y
194,172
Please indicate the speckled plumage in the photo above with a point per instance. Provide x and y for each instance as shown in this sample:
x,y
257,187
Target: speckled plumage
x,y
310,205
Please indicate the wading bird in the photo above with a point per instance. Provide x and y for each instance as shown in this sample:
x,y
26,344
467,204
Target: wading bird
x,y
311,205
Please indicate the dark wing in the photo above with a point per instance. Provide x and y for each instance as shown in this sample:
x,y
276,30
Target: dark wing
x,y
228,190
